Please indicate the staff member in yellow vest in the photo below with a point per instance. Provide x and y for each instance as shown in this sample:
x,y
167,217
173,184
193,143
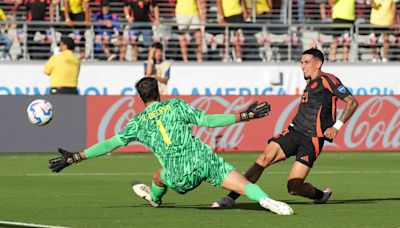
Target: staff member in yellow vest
x,y
63,69
343,12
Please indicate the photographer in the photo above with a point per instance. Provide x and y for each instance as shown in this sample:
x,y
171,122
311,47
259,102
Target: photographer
x,y
157,68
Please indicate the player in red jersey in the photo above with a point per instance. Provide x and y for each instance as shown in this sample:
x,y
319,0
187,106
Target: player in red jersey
x,y
314,123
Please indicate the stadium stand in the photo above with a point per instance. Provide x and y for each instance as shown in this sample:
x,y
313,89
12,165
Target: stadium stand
x,y
265,37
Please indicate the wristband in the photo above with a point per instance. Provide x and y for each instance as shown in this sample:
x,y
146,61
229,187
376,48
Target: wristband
x,y
338,124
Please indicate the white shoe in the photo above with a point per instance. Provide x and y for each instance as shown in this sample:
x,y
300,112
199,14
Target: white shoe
x,y
224,202
143,191
276,207
327,194
385,60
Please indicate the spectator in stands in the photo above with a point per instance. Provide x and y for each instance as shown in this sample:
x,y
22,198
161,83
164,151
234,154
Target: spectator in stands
x,y
38,48
142,12
343,12
190,17
382,14
300,11
4,40
75,13
322,9
263,9
233,12
107,25
63,69
157,68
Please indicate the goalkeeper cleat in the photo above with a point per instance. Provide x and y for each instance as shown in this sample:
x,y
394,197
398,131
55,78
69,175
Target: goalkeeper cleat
x,y
144,191
276,207
224,202
327,194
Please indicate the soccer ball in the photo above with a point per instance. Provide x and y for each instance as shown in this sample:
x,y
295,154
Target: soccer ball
x,y
40,112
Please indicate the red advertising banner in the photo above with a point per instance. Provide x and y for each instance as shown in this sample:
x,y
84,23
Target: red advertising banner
x,y
375,126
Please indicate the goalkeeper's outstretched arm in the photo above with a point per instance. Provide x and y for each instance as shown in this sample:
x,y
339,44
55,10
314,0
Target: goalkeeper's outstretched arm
x,y
67,158
254,111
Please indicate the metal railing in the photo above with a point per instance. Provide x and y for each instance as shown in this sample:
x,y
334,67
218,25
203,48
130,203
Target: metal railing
x,y
272,42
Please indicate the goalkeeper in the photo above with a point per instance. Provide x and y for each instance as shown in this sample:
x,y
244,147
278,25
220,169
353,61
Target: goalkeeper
x,y
165,128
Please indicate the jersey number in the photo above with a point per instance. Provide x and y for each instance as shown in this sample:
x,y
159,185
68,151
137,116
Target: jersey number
x,y
163,132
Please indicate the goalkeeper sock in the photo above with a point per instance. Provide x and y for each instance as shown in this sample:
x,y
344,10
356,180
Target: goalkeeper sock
x,y
252,174
157,192
254,192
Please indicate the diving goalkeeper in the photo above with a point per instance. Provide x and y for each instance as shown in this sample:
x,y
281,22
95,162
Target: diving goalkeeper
x,y
165,128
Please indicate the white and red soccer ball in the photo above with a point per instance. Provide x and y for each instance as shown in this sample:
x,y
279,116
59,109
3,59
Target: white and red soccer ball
x,y
40,112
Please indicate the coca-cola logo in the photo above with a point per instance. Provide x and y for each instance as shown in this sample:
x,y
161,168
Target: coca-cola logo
x,y
369,127
121,111
374,126
228,137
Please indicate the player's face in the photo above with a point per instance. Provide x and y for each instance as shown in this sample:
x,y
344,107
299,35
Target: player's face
x,y
310,66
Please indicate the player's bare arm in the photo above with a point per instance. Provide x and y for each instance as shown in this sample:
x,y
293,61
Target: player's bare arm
x,y
349,109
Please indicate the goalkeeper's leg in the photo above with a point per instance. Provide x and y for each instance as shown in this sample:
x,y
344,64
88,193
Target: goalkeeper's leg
x,y
153,194
158,188
273,153
234,181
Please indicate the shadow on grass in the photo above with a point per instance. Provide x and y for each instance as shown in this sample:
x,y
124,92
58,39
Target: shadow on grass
x,y
244,206
255,206
348,201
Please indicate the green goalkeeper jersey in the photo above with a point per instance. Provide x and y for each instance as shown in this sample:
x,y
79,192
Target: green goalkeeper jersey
x,y
166,129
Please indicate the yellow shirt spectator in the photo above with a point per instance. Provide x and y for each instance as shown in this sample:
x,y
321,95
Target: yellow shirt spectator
x,y
384,14
231,7
187,7
344,9
3,16
76,6
262,6
63,69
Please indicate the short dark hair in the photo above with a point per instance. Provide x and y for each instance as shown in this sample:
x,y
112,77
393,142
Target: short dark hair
x,y
157,45
105,3
315,53
147,88
69,42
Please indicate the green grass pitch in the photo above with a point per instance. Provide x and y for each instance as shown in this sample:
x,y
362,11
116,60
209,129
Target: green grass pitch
x,y
97,193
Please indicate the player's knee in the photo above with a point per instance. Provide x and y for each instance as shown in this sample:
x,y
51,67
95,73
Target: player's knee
x,y
264,159
267,157
294,186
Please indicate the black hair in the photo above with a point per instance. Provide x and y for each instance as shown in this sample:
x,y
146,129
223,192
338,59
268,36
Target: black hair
x,y
157,45
105,3
315,53
69,42
147,88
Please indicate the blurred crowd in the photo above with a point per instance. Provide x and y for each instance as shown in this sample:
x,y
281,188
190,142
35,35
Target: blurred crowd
x,y
202,30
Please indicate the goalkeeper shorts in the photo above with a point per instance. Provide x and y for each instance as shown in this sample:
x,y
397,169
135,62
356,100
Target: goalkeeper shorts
x,y
211,168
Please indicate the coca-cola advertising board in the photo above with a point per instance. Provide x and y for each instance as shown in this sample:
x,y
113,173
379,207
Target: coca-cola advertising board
x,y
375,126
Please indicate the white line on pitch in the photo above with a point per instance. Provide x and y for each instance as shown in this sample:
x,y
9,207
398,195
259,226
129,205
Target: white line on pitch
x,y
21,224
137,174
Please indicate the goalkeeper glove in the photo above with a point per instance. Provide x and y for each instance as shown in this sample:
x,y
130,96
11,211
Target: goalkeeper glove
x,y
67,158
255,111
